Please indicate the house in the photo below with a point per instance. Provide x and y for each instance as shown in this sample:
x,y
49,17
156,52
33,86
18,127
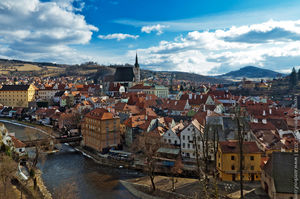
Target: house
x,y
101,130
47,92
228,161
190,136
278,175
172,136
18,146
132,127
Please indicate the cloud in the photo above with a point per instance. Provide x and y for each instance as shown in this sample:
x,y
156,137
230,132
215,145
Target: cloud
x,y
272,44
154,28
70,5
35,30
118,36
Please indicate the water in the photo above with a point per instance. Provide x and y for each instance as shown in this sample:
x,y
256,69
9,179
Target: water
x,y
89,179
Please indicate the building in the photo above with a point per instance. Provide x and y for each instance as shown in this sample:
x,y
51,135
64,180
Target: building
x,y
17,95
190,137
101,130
172,136
159,91
128,75
228,161
278,175
47,92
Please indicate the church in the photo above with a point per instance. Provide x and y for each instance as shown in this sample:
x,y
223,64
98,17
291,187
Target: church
x,y
124,78
128,74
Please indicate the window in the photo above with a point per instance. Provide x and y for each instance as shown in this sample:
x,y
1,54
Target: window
x,y
219,165
183,145
252,167
232,157
188,138
251,157
183,137
232,167
188,146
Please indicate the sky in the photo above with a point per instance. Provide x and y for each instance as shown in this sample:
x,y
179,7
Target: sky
x,y
199,36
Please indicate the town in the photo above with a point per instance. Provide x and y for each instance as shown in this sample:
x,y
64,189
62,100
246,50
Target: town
x,y
233,140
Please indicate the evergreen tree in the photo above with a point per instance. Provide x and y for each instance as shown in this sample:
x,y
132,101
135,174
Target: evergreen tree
x,y
299,74
293,78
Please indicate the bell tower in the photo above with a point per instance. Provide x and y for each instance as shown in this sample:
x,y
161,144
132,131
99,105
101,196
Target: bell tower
x,y
137,72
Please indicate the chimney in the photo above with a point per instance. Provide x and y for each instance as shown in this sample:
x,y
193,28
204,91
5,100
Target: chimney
x,y
264,113
270,111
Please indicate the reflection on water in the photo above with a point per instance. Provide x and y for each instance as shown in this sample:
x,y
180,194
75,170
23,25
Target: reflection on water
x,y
91,180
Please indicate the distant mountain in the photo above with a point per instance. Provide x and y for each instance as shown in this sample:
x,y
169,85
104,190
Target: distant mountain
x,y
251,72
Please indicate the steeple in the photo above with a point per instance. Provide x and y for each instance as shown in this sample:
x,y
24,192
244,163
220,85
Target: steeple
x,y
136,61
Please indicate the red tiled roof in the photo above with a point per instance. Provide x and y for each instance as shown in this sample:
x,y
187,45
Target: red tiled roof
x,y
261,126
140,86
100,113
17,143
233,147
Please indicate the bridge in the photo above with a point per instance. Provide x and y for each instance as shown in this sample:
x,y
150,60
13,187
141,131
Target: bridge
x,y
49,141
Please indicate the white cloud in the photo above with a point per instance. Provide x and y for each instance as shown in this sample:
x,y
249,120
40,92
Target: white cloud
x,y
118,36
272,44
154,28
35,30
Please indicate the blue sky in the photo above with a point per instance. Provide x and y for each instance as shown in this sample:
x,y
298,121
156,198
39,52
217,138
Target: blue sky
x,y
204,37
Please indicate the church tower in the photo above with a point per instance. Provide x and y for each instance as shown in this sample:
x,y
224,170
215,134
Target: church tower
x,y
137,72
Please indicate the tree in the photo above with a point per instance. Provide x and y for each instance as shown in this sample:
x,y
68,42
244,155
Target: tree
x,y
176,170
148,144
7,170
241,126
38,155
299,74
293,78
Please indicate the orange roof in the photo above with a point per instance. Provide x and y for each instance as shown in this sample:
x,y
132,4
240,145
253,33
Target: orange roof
x,y
17,143
100,113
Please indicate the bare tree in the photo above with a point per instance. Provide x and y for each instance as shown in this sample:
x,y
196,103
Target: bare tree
x,y
176,170
8,168
39,148
148,144
240,118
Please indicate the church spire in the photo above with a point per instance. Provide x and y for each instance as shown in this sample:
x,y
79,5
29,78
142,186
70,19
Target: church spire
x,y
136,61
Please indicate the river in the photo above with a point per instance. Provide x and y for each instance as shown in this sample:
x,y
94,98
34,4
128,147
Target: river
x,y
90,180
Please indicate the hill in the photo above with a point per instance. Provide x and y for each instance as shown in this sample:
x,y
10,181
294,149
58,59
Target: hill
x,y
91,70
251,72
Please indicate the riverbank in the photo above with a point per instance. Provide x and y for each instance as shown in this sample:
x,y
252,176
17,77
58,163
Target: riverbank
x,y
43,129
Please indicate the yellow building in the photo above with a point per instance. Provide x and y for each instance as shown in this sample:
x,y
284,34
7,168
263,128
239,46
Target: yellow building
x,y
101,129
228,161
17,95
